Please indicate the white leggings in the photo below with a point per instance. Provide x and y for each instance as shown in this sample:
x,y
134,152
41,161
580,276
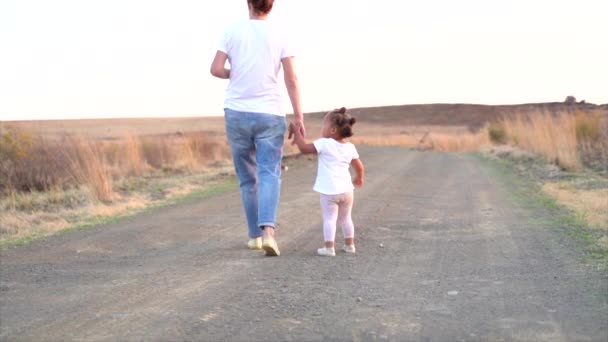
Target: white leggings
x,y
337,208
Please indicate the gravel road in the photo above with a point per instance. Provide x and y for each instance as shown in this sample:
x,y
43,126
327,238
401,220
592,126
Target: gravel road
x,y
445,252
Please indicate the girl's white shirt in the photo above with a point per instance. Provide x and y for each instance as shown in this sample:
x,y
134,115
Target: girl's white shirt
x,y
255,49
333,176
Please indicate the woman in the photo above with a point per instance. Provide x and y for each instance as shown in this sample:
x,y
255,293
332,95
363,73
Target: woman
x,y
255,121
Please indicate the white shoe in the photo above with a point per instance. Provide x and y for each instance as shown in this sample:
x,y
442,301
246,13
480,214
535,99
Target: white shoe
x,y
324,251
349,249
254,243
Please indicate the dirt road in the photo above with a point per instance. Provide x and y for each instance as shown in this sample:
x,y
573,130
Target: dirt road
x,y
446,252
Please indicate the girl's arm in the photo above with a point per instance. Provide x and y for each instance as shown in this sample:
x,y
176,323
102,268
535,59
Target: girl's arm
x,y
360,170
218,66
298,139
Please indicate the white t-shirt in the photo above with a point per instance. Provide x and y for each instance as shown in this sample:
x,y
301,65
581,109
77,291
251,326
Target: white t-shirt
x,y
333,176
255,49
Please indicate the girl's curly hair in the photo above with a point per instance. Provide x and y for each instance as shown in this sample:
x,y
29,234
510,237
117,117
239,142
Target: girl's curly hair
x,y
342,121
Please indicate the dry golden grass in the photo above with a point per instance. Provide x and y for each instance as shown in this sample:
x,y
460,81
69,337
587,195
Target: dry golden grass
x,y
571,141
104,129
460,142
88,166
133,162
441,140
36,163
55,171
50,183
591,204
592,136
427,137
23,215
549,135
562,138
40,221
386,140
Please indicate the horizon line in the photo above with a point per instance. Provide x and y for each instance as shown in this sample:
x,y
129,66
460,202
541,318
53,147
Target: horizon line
x,y
180,116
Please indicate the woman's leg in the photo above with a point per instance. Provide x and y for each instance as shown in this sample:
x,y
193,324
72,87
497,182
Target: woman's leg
x,y
269,136
269,139
239,133
329,207
344,217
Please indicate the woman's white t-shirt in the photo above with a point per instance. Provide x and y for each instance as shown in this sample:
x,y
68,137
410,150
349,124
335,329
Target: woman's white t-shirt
x,y
255,49
333,176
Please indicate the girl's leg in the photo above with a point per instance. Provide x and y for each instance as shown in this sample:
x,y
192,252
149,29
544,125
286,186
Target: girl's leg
x,y
344,218
329,207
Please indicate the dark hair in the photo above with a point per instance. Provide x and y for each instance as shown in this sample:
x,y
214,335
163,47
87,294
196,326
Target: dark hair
x,y
261,6
342,121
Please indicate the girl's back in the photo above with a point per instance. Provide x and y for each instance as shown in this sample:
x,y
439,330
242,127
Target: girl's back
x,y
333,176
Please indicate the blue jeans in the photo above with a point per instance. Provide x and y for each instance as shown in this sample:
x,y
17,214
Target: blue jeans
x,y
256,141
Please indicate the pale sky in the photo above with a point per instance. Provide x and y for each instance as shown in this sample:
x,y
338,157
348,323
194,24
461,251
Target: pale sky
x,y
132,58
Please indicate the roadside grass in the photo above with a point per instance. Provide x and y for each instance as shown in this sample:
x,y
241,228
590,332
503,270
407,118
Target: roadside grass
x,y
31,162
552,136
570,140
43,215
437,139
52,183
576,142
532,199
590,204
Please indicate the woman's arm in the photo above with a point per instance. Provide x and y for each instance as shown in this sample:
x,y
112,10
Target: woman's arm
x,y
291,82
360,170
218,66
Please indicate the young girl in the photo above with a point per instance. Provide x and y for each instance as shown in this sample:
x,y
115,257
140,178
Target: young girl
x,y
333,177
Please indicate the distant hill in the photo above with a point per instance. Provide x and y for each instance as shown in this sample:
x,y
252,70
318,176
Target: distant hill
x,y
473,116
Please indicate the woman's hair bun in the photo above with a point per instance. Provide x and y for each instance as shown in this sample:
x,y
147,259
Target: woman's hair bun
x,y
262,6
342,110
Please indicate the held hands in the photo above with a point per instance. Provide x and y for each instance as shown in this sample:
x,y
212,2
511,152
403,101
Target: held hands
x,y
296,130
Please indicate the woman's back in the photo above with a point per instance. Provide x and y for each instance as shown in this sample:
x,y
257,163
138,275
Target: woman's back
x,y
255,49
